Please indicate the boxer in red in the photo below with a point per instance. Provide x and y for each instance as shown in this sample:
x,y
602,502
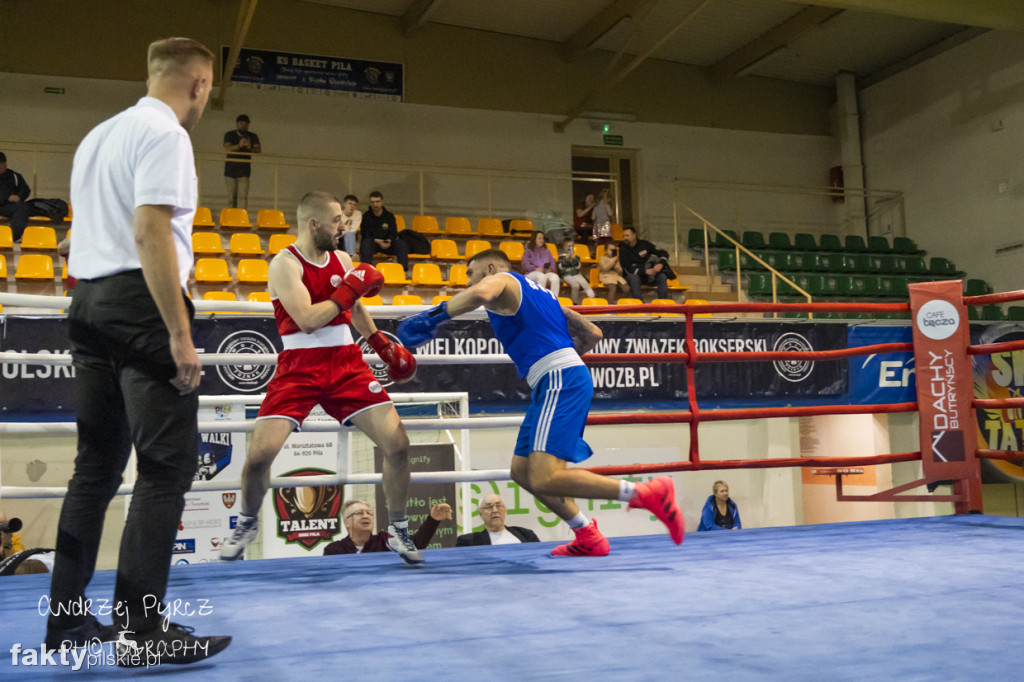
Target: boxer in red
x,y
315,291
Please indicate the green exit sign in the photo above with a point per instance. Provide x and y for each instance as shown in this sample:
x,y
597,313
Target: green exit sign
x,y
615,140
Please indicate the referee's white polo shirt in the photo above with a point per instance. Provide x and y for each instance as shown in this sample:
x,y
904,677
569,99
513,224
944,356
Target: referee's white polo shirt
x,y
141,156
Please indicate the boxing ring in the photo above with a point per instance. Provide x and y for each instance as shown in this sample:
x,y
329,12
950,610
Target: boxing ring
x,y
923,598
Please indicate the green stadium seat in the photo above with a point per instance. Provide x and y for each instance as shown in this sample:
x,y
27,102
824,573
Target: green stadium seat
x,y
973,312
849,286
829,242
942,266
1015,312
876,287
839,262
819,285
888,264
905,245
878,245
863,262
898,287
855,243
992,313
813,262
779,240
760,284
754,240
723,243
727,260
914,265
802,241
751,264
695,238
976,287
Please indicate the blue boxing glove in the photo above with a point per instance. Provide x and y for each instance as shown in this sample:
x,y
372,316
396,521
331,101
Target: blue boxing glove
x,y
415,331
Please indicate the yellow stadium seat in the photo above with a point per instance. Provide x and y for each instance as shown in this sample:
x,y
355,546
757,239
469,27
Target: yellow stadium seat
x,y
234,219
553,249
564,300
206,244
34,266
63,272
39,238
70,214
245,244
406,299
617,232
583,251
219,296
664,301
259,297
595,301
394,274
630,301
3,266
6,238
598,252
514,250
252,271
458,226
427,275
490,227
457,275
444,249
372,300
279,241
399,222
475,246
520,227
698,301
203,218
674,285
271,219
440,299
212,271
595,280
425,224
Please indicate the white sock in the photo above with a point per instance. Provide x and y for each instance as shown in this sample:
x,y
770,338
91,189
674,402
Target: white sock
x,y
626,491
578,521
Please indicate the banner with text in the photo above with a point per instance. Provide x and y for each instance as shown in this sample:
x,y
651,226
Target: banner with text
x,y
274,70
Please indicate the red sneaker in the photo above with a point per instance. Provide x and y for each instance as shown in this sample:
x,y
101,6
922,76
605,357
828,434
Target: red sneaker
x,y
659,498
588,542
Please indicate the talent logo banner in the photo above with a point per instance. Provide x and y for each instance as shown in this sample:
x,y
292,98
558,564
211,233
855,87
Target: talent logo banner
x,y
944,379
274,70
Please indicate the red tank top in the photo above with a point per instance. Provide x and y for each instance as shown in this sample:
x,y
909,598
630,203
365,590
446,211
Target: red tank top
x,y
320,281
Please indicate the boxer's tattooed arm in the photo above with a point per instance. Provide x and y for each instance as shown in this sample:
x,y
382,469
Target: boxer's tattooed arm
x,y
585,334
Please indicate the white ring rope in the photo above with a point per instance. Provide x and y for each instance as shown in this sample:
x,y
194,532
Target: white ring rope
x,y
208,359
31,492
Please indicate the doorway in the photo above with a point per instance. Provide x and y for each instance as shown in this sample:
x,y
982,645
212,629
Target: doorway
x,y
596,168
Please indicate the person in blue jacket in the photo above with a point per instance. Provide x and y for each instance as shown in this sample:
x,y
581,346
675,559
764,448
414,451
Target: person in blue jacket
x,y
720,512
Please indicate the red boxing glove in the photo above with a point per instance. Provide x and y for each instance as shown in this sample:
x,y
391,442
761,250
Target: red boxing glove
x,y
362,280
401,363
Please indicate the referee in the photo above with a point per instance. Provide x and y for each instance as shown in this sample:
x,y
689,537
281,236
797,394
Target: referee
x,y
133,186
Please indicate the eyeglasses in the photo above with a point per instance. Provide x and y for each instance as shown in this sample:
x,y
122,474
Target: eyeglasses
x,y
361,512
492,506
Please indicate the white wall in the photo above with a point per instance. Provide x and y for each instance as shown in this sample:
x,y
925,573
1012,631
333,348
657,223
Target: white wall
x,y
370,131
949,133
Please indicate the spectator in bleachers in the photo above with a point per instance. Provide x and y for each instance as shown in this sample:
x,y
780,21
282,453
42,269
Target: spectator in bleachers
x,y
350,221
569,269
238,171
14,192
583,218
380,234
644,263
604,214
720,511
539,265
610,272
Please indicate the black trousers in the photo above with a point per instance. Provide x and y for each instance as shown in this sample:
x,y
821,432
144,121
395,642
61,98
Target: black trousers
x,y
18,213
123,365
398,248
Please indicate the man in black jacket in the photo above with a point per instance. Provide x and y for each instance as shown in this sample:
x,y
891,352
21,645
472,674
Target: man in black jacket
x,y
492,513
13,193
380,234
644,263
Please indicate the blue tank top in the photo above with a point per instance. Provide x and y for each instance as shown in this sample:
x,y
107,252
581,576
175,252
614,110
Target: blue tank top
x,y
536,330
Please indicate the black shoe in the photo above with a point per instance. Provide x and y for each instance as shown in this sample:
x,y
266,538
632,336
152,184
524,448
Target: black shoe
x,y
69,638
158,646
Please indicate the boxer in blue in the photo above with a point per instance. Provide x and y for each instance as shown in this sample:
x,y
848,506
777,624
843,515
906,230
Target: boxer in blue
x,y
546,341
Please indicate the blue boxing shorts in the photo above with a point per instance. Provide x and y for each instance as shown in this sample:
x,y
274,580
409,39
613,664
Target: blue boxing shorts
x,y
558,410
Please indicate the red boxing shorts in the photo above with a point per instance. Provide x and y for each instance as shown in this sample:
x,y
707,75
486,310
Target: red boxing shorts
x,y
335,377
